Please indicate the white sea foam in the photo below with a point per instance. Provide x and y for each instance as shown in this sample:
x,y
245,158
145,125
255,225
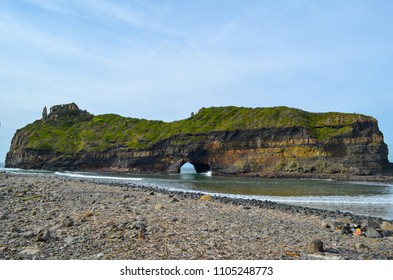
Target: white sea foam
x,y
82,176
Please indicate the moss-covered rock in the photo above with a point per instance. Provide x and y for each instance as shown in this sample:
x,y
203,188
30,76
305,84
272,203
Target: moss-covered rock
x,y
225,139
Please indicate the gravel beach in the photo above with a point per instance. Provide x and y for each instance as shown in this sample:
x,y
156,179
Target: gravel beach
x,y
52,218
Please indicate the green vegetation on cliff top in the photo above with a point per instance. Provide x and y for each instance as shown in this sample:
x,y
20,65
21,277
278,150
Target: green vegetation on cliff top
x,y
84,132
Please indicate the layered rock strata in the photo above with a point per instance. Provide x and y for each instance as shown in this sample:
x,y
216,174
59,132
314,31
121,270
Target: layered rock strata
x,y
277,141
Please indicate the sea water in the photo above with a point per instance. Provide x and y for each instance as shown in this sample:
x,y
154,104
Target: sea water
x,y
363,198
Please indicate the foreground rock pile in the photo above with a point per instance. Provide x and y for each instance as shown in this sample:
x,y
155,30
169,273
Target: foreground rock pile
x,y
55,218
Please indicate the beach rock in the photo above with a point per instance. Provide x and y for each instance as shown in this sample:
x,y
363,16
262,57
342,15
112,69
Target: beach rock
x,y
15,230
27,234
3,249
100,255
43,235
360,247
170,233
158,206
56,227
30,251
370,223
346,229
138,225
387,226
151,228
87,214
325,225
174,199
387,233
345,221
206,197
315,246
69,240
68,222
139,218
372,233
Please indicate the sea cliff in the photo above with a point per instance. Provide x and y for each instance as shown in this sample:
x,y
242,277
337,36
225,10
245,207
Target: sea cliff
x,y
278,141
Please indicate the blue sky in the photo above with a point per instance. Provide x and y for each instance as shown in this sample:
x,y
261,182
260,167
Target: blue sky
x,y
166,59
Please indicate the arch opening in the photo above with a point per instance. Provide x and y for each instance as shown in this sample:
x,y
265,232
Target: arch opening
x,y
194,167
201,167
187,168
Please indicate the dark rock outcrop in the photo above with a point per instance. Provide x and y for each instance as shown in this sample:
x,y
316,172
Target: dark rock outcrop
x,y
276,141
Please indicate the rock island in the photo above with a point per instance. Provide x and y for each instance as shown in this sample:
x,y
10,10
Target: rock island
x,y
277,141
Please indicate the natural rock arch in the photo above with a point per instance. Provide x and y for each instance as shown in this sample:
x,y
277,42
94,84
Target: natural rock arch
x,y
200,164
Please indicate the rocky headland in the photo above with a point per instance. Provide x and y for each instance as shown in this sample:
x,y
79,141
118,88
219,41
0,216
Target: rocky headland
x,y
277,142
49,217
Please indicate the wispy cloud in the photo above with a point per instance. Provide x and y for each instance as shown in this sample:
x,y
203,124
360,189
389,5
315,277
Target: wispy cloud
x,y
50,5
163,59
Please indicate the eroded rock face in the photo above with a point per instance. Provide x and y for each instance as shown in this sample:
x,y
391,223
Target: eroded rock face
x,y
238,141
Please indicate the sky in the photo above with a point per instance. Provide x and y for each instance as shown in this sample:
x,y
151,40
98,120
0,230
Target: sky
x,y
163,59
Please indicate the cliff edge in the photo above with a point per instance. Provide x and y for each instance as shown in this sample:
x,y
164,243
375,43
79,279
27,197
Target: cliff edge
x,y
278,141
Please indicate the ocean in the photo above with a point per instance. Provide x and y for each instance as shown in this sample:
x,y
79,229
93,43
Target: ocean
x,y
362,198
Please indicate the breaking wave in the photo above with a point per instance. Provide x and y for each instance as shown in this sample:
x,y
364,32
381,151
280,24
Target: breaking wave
x,y
97,177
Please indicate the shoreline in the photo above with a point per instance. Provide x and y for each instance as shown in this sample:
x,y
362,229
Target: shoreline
x,y
226,198
378,178
119,221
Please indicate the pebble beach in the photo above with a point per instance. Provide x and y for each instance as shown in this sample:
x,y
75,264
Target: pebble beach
x,y
53,218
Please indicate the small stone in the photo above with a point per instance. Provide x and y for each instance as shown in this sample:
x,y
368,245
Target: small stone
x,y
387,226
206,197
170,234
138,225
43,235
315,246
68,222
56,227
30,251
346,230
20,209
87,214
27,234
126,195
325,225
83,219
174,199
15,229
99,255
174,219
345,220
69,240
158,207
367,223
360,247
3,216
372,233
387,233
3,249
139,218
151,229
